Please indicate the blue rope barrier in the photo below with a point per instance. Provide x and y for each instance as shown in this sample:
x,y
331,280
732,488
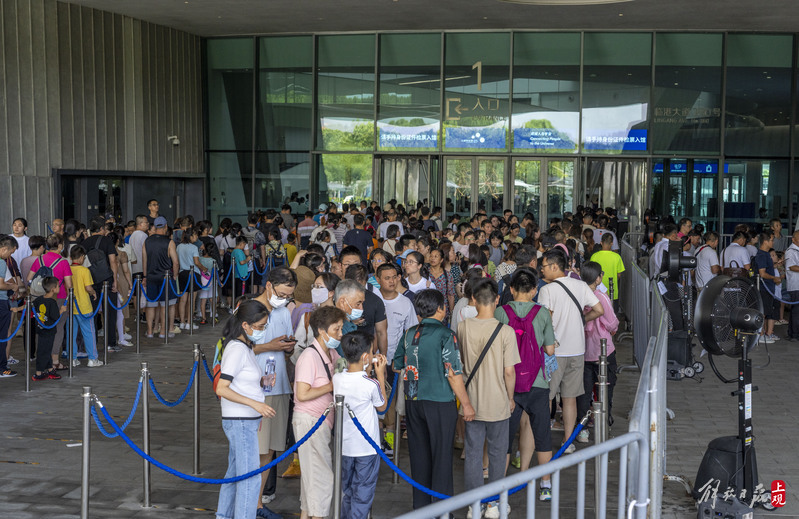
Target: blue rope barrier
x,y
174,288
776,297
126,303
47,327
391,396
205,286
91,315
127,422
182,397
210,481
255,267
223,283
432,492
158,297
244,278
19,325
207,371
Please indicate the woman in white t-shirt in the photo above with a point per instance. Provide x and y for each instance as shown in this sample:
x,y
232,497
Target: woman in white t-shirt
x,y
414,273
242,400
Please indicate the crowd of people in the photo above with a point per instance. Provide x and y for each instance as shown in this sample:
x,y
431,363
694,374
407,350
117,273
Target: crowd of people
x,y
486,328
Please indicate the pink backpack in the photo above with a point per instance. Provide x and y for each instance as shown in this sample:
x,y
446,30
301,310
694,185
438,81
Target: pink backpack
x,y
532,358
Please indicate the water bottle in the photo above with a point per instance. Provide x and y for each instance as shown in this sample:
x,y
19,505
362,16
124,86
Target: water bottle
x,y
269,383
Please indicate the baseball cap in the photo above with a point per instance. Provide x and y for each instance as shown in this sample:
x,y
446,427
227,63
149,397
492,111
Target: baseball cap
x,y
159,222
323,207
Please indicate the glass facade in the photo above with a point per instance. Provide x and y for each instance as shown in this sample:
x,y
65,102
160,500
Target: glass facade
x,y
456,117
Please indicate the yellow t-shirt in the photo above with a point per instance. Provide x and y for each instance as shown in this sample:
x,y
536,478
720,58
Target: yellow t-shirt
x,y
612,266
81,278
291,251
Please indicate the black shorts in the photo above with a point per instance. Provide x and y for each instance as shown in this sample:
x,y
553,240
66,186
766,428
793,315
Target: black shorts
x,y
183,281
771,307
536,404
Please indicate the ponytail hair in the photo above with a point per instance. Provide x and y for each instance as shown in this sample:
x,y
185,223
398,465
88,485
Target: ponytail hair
x,y
247,311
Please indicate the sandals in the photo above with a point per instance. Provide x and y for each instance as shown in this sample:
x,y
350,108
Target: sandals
x,y
60,367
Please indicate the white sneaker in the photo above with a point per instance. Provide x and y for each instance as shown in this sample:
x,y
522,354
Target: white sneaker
x,y
124,342
75,363
191,326
492,510
182,326
767,339
12,361
93,363
268,499
469,513
127,336
571,448
583,436
176,329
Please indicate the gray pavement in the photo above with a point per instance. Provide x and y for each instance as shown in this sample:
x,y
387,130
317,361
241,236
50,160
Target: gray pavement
x,y
41,461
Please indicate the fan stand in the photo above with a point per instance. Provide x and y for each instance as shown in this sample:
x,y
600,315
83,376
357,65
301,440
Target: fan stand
x,y
744,393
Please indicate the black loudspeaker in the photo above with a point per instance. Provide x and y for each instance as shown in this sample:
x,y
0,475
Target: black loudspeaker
x,y
722,462
679,349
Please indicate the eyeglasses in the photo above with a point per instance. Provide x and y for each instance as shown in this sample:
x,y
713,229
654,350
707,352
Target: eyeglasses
x,y
258,328
411,262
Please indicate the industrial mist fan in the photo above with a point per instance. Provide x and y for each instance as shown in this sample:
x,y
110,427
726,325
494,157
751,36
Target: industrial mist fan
x,y
729,313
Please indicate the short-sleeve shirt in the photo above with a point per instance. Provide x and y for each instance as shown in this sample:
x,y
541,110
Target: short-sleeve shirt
x,y
279,324
763,261
487,391
361,239
565,315
101,242
310,369
791,260
238,257
737,254
241,369
374,311
427,360
362,395
3,271
82,278
430,226
186,254
706,259
61,270
542,324
48,312
401,316
612,266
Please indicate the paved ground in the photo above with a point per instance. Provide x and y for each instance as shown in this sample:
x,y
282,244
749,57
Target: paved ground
x,y
41,461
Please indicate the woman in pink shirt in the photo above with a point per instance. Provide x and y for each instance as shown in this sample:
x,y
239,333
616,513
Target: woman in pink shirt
x,y
61,270
603,327
313,394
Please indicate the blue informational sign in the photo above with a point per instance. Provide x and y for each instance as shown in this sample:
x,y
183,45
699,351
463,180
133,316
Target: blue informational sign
x,y
467,137
408,136
632,140
541,139
700,168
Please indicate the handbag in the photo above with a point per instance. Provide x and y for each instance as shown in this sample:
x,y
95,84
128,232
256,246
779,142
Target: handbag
x,y
735,272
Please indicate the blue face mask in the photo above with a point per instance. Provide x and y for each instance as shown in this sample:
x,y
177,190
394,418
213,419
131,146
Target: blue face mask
x,y
259,337
355,313
332,343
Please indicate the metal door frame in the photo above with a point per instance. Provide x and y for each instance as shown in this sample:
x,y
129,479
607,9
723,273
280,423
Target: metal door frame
x,y
475,180
378,179
543,180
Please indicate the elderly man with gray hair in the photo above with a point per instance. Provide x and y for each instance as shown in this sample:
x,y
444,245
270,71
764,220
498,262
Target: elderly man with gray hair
x,y
349,297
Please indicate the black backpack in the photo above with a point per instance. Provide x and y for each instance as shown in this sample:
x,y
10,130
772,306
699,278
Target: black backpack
x,y
99,269
505,296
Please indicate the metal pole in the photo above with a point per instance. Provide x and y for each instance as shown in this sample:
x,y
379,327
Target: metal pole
x,y
214,288
105,297
197,360
28,331
145,399
190,306
232,284
84,479
71,329
167,326
339,441
397,433
600,420
138,314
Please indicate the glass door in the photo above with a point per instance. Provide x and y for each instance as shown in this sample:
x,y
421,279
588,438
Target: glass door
x,y
543,187
404,179
481,175
527,187
560,188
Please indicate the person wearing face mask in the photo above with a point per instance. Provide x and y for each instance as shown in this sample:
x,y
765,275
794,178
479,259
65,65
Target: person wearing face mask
x,y
271,349
349,297
313,393
240,392
322,291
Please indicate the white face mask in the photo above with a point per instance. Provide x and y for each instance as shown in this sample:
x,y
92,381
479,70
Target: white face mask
x,y
319,295
276,301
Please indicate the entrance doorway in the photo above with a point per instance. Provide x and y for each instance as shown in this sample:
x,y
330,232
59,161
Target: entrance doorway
x,y
474,183
621,184
408,180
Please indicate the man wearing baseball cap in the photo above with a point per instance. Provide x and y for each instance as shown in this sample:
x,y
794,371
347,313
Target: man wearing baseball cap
x,y
160,256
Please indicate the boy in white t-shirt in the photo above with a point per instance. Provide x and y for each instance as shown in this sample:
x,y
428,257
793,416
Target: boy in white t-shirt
x,y
364,396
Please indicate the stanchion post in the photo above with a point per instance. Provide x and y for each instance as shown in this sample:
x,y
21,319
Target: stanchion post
x,y
145,400
214,289
339,442
28,330
600,418
166,327
197,360
138,313
70,328
397,436
190,306
84,475
232,277
105,295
